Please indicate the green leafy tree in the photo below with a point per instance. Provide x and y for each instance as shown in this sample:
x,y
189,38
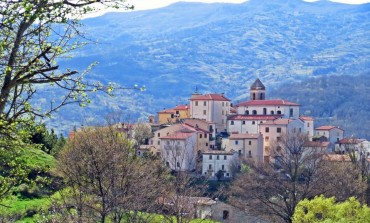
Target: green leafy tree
x,y
322,209
34,36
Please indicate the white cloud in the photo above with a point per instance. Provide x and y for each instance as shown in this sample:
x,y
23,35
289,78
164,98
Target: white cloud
x,y
153,4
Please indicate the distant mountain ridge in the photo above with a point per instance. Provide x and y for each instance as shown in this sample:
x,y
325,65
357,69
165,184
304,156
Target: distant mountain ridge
x,y
218,48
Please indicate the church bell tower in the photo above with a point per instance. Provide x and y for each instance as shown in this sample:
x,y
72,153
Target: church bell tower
x,y
257,91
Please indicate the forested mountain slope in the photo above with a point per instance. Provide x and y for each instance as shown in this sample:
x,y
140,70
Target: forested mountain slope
x,y
217,48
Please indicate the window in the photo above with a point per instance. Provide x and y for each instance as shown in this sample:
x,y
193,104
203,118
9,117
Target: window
x,y
265,111
210,167
218,157
225,157
291,112
204,103
278,130
308,124
159,142
279,112
210,157
196,103
254,112
267,129
243,122
250,143
246,112
177,112
253,122
172,115
204,112
200,136
223,104
267,149
236,142
272,112
240,152
206,143
223,167
267,139
250,153
159,134
205,135
278,139
232,123
178,164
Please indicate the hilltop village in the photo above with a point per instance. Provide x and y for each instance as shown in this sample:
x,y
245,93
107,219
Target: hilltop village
x,y
210,136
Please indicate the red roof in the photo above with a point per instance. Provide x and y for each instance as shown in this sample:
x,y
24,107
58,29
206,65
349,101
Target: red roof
x,y
173,110
316,144
178,135
223,152
212,97
350,141
306,118
254,117
244,136
267,102
279,121
337,157
327,127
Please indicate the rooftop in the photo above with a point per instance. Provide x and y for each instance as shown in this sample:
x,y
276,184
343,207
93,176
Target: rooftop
x,y
220,152
274,102
254,117
211,97
257,85
279,121
327,127
244,136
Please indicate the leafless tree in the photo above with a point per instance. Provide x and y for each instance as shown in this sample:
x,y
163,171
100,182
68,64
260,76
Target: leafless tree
x,y
180,155
106,179
272,190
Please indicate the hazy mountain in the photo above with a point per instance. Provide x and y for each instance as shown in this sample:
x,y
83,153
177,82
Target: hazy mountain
x,y
218,48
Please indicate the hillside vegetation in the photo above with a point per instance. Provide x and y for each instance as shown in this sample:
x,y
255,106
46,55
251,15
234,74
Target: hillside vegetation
x,y
333,100
217,48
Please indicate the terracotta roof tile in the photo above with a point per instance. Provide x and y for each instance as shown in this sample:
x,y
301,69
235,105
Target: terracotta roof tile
x,y
267,102
178,135
327,127
337,157
306,118
316,144
221,152
254,117
279,121
350,141
212,97
244,136
173,110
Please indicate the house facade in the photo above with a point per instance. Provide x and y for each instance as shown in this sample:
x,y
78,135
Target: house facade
x,y
212,108
221,162
248,146
173,115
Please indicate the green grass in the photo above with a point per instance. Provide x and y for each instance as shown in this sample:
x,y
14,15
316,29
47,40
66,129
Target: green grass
x,y
36,158
21,208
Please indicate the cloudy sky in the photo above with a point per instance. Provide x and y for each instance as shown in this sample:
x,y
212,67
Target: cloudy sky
x,y
151,4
